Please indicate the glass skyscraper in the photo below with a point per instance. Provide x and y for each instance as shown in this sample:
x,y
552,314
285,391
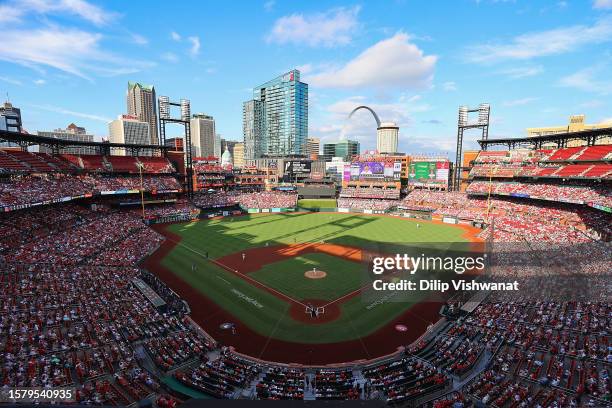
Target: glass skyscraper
x,y
275,121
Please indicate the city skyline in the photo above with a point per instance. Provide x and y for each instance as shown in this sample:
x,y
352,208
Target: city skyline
x,y
532,61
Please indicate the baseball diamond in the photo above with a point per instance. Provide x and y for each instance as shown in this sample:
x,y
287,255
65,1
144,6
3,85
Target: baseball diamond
x,y
250,270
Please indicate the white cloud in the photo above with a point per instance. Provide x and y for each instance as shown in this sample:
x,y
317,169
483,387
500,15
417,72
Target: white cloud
x,y
394,63
594,103
63,111
449,86
602,4
305,69
9,80
331,28
195,45
522,72
269,5
9,13
70,50
170,57
175,36
39,82
519,102
606,120
543,43
85,10
586,80
139,39
15,10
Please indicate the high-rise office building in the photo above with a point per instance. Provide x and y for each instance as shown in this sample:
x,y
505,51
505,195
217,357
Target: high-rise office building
x,y
386,137
218,151
141,103
72,133
275,121
10,118
343,148
129,129
313,144
238,155
252,129
203,136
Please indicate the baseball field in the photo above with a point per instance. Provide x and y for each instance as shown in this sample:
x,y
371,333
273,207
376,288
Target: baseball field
x,y
292,284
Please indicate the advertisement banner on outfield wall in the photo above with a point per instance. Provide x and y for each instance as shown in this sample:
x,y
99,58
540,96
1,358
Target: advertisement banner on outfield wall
x,y
265,210
343,210
253,210
276,210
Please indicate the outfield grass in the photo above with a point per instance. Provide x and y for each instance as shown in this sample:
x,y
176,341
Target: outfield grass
x,y
288,277
225,236
317,203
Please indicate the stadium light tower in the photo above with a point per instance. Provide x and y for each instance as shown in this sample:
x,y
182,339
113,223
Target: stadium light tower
x,y
165,104
483,110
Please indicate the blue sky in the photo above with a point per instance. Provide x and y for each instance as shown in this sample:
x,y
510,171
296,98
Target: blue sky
x,y
414,62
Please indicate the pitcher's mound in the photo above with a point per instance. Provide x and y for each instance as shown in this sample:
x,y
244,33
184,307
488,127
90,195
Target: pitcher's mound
x,y
317,274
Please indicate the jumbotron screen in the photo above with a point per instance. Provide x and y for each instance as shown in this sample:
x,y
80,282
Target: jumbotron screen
x,y
424,173
373,170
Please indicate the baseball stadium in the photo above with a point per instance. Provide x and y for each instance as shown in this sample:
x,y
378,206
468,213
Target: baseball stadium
x,y
331,237
120,284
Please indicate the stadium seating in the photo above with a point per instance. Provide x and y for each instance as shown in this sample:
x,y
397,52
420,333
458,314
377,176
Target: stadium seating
x,y
565,154
279,383
71,315
122,164
94,163
366,204
34,162
572,162
156,165
9,164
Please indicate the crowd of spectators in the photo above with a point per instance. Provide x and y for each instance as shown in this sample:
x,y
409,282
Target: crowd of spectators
x,y
404,379
215,200
370,192
266,199
260,199
554,192
336,385
366,204
279,383
221,377
516,219
70,313
32,189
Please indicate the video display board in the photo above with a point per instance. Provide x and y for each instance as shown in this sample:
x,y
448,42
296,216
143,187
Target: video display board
x,y
373,170
423,173
297,167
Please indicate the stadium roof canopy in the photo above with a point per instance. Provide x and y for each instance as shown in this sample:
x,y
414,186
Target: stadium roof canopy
x,y
559,139
26,139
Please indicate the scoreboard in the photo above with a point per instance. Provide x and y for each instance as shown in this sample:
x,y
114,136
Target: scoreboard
x,y
429,173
